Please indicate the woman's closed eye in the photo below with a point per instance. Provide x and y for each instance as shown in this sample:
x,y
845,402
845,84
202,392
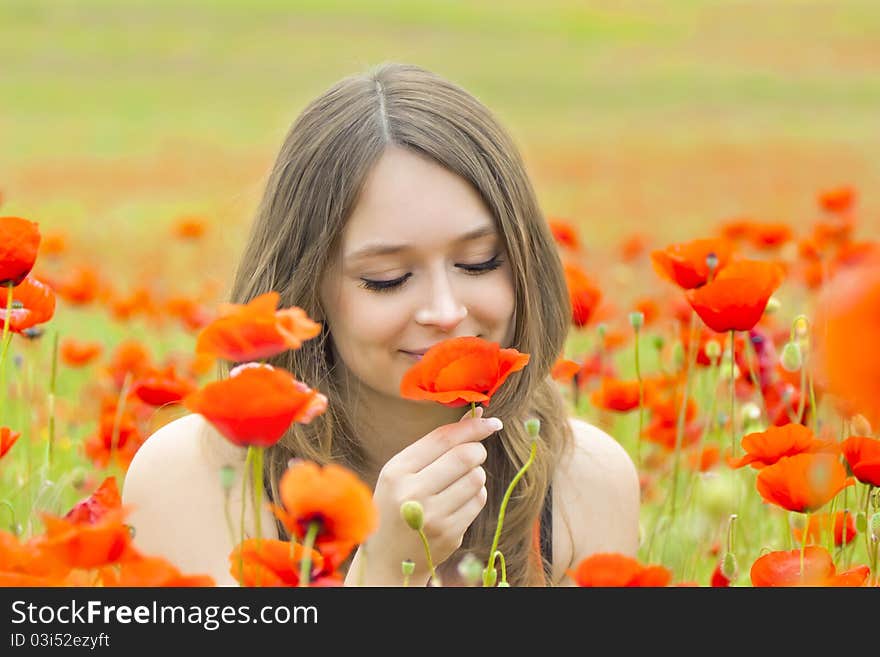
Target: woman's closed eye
x,y
472,270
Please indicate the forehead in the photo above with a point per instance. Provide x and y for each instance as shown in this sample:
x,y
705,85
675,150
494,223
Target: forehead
x,y
409,199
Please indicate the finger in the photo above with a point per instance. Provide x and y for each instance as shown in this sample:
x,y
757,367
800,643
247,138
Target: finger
x,y
460,519
450,467
454,496
429,448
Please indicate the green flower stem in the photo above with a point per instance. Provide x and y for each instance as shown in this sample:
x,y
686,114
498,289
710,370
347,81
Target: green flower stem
x,y
732,394
507,494
691,358
52,380
428,554
11,508
257,490
244,479
868,532
503,567
752,357
305,566
473,409
5,342
804,542
641,404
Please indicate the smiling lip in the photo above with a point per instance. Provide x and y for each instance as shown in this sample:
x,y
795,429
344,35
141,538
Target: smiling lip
x,y
417,355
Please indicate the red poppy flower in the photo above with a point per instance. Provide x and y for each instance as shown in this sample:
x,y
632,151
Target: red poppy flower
x,y
663,428
332,496
139,301
633,246
620,396
159,387
837,199
685,264
53,244
272,563
564,233
594,366
76,353
129,357
737,296
769,235
25,564
7,440
718,580
583,294
705,459
79,286
863,456
617,570
255,330
783,568
458,371
765,448
138,570
100,446
821,522
564,370
86,545
190,312
19,244
649,308
256,404
737,228
33,302
98,504
847,322
803,482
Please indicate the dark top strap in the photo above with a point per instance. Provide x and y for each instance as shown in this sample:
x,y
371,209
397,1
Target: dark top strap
x,y
547,527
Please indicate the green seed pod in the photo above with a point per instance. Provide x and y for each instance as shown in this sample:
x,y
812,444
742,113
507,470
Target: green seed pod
x,y
407,567
861,521
500,584
875,525
875,498
470,569
637,319
713,350
227,477
413,514
791,358
491,575
773,305
658,341
602,329
728,566
533,426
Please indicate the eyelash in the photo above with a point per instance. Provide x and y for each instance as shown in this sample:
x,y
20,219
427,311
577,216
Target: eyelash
x,y
390,286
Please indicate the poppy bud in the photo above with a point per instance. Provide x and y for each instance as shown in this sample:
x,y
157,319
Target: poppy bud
x,y
875,498
491,576
797,521
875,526
728,566
860,426
503,584
718,492
791,358
413,514
861,521
533,426
470,569
713,350
407,567
658,341
800,326
601,330
773,304
637,319
227,477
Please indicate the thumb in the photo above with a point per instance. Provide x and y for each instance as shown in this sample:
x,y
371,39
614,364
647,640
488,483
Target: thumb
x,y
469,414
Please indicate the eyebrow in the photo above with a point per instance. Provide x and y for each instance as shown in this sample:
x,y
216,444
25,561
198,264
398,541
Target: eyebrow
x,y
385,249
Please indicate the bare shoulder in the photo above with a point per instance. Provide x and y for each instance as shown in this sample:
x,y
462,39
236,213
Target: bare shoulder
x,y
178,509
597,494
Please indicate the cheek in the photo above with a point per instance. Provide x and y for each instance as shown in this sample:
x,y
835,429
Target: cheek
x,y
367,323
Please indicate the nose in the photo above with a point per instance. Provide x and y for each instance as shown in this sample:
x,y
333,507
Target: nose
x,y
442,308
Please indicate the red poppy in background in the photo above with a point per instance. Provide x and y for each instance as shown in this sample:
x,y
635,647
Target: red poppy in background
x,y
736,228
78,353
863,456
335,498
272,563
769,235
844,333
129,357
19,245
718,579
837,199
663,428
33,304
685,263
189,228
79,286
158,387
138,570
705,459
737,296
104,500
191,313
53,244
633,246
85,544
620,396
141,300
803,482
783,568
255,330
564,233
763,448
564,370
594,366
256,404
101,446
612,569
7,440
821,522
459,371
583,294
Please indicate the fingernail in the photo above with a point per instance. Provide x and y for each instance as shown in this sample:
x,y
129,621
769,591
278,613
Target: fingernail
x,y
494,424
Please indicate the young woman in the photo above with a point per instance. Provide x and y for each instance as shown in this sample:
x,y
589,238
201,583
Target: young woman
x,y
399,214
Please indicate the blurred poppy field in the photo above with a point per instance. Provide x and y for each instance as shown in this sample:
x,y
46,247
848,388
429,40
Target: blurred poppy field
x,y
709,172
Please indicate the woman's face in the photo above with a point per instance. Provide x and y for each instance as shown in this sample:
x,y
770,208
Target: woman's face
x,y
423,235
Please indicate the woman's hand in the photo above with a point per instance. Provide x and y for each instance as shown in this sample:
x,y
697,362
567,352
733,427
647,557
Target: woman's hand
x,y
442,471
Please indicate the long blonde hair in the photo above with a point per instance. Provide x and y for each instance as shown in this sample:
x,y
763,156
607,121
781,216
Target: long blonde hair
x,y
311,191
